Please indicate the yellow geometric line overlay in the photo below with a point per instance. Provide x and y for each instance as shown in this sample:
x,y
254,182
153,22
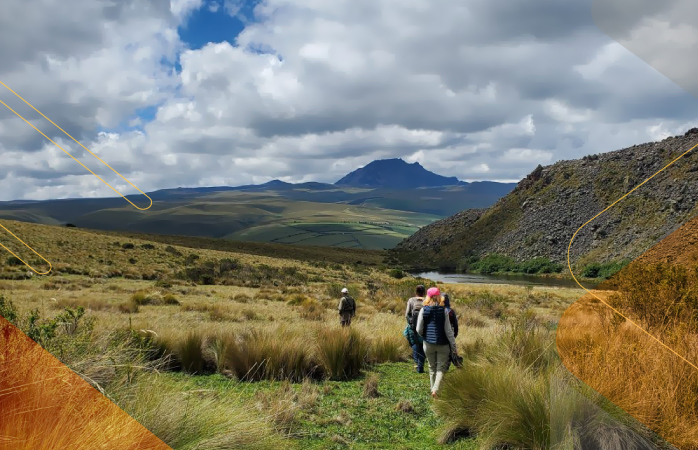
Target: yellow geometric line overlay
x,y
98,177
600,299
25,263
71,137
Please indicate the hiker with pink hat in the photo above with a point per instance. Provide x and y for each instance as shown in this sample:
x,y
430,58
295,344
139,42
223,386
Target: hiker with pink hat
x,y
439,342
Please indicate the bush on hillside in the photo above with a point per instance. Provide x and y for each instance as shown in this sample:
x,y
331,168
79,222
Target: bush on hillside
x,y
603,271
495,263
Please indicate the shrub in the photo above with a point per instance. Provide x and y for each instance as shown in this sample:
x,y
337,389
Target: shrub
x,y
227,265
190,259
128,246
172,250
147,246
14,261
170,299
8,310
397,273
494,263
539,265
603,271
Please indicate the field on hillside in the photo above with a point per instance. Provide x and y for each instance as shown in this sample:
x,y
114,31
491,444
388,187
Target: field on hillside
x,y
360,235
250,216
218,339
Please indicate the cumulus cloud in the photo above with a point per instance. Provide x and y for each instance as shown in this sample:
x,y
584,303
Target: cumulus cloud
x,y
311,89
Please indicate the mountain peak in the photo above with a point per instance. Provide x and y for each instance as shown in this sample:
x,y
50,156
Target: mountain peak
x,y
395,173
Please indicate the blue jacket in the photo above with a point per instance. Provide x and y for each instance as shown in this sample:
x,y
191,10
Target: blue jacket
x,y
433,325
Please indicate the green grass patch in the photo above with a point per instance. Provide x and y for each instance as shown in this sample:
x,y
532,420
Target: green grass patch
x,y
342,417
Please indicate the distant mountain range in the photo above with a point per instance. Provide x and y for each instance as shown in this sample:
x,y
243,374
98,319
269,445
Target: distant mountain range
x,y
374,207
396,174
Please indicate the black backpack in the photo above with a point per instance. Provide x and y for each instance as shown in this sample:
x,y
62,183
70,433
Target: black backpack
x,y
349,305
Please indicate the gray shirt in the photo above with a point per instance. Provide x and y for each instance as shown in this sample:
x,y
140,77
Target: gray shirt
x,y
412,304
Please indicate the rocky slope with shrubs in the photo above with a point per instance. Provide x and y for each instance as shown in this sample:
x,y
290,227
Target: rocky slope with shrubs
x,y
540,216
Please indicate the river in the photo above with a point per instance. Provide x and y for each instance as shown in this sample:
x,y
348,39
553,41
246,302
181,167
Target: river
x,y
474,278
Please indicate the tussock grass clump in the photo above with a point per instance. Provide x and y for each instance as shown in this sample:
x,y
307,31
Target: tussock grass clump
x,y
342,352
170,299
388,348
257,354
370,389
405,406
187,350
197,420
129,307
506,392
312,311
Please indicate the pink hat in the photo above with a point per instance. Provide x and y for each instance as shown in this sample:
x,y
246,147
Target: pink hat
x,y
433,292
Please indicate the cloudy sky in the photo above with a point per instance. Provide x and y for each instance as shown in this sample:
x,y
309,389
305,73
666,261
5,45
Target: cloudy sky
x,y
225,92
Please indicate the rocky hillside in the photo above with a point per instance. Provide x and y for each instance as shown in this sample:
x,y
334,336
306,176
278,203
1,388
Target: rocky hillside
x,y
540,216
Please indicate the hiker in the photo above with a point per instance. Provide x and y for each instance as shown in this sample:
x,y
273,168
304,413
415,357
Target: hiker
x,y
439,342
453,319
347,308
414,305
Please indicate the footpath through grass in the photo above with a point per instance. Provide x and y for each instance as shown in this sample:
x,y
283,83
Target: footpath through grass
x,y
337,414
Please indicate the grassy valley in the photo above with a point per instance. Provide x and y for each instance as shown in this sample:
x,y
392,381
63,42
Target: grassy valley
x,y
247,350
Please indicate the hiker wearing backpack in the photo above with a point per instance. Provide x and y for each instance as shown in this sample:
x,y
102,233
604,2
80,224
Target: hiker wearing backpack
x,y
414,305
451,314
453,319
347,308
439,342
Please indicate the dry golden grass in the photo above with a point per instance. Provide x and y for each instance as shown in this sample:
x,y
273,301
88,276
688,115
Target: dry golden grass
x,y
44,405
634,371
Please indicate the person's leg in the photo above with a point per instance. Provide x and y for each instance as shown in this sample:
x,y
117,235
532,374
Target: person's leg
x,y
431,357
442,355
421,356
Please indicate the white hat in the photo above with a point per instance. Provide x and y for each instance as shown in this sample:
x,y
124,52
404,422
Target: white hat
x,y
345,291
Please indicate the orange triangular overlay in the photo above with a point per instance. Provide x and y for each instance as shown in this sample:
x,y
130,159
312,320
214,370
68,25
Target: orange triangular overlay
x,y
46,406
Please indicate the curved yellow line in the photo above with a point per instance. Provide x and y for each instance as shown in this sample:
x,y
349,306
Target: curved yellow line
x,y
601,300
71,137
50,267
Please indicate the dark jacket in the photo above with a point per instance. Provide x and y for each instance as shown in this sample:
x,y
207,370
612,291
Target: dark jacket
x,y
451,314
454,320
